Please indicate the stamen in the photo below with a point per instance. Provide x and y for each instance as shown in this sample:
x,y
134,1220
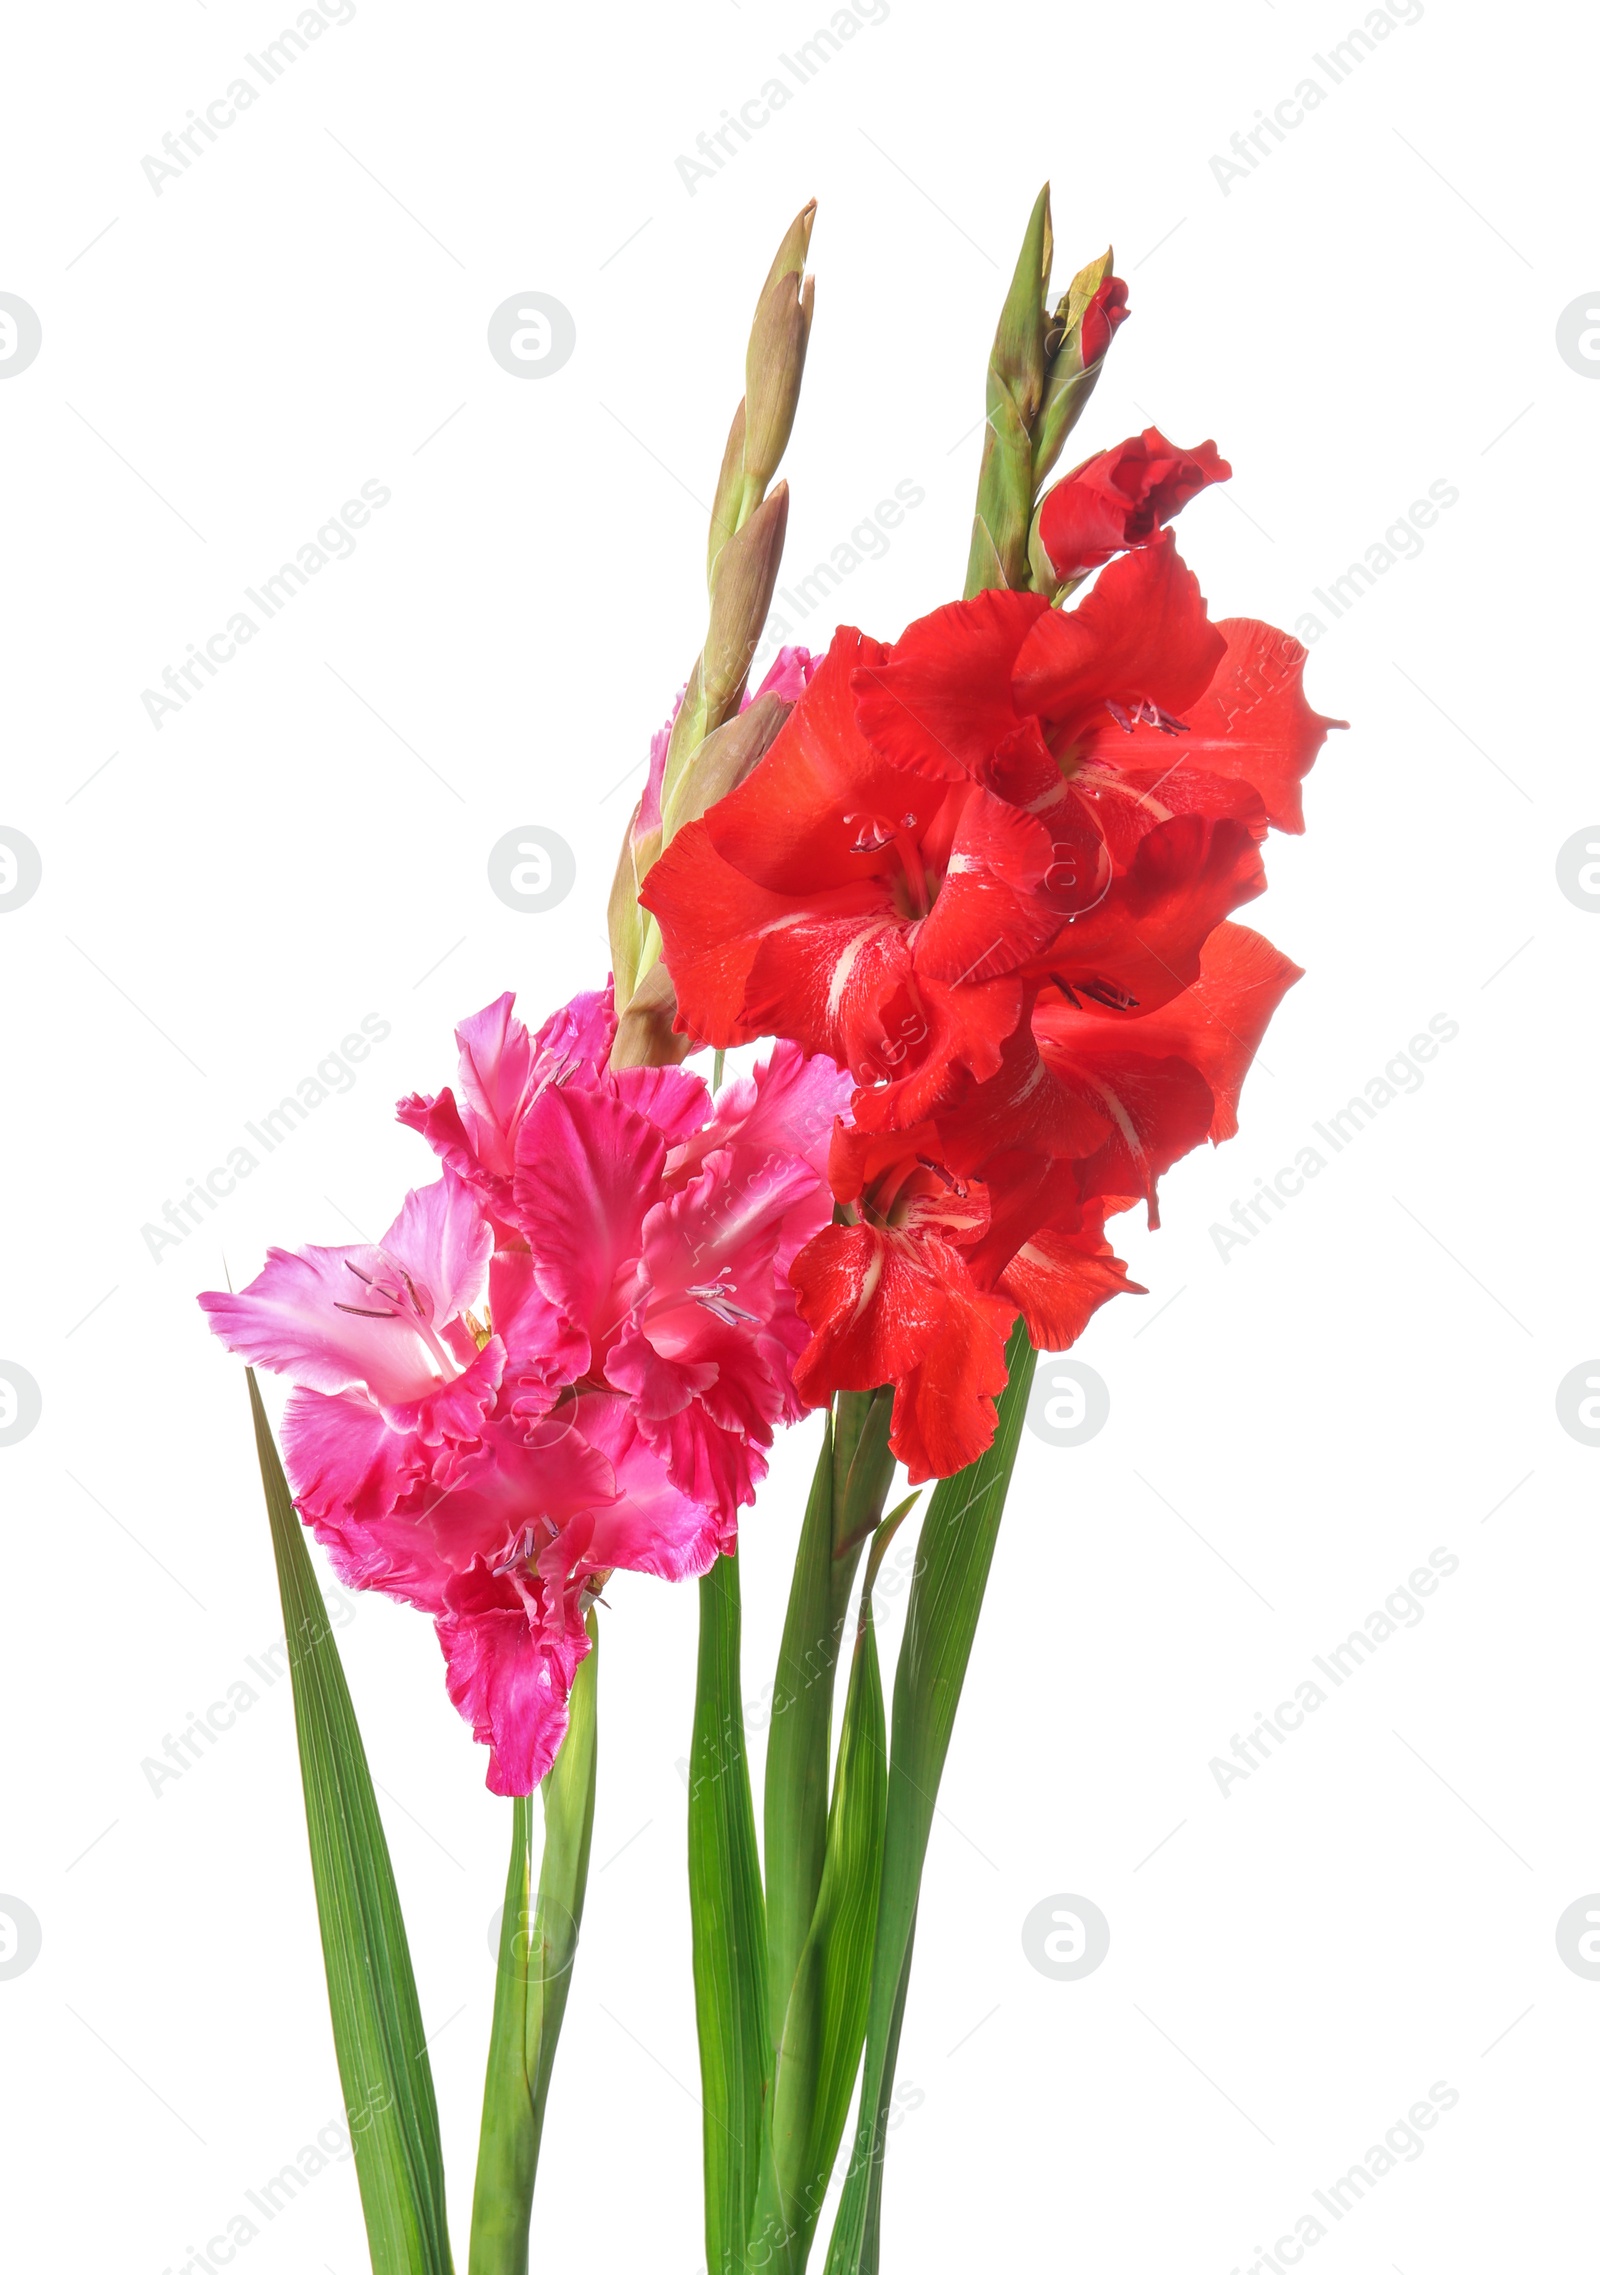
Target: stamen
x,y
716,1299
874,833
1146,714
951,1183
1154,716
518,1553
358,1312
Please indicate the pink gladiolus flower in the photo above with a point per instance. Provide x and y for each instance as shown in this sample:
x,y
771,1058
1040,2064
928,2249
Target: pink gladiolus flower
x,y
566,1357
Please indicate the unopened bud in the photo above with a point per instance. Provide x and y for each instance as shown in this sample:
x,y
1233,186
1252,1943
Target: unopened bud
x,y
1013,393
725,509
721,764
747,576
1080,333
626,921
776,357
645,1034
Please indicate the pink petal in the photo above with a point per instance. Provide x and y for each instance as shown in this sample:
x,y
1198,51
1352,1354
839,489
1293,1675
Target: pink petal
x,y
670,1097
791,671
376,1319
576,1040
509,1671
496,1060
441,1239
787,1105
545,1354
587,1171
652,1526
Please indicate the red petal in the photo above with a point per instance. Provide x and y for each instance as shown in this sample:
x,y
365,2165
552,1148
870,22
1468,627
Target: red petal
x,y
939,702
793,824
1253,724
991,912
882,1310
1060,1279
711,919
1146,935
1121,498
1216,1025
1140,635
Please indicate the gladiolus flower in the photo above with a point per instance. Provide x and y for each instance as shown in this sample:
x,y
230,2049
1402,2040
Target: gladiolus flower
x,y
1010,795
567,1356
999,1204
989,870
1120,499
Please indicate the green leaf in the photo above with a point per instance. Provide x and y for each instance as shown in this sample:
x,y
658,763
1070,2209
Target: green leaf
x,y
534,1975
820,2043
853,1473
377,2024
730,1937
956,1550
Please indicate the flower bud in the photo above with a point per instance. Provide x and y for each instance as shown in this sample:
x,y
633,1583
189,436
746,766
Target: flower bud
x,y
626,921
746,577
1082,329
645,1035
725,507
721,764
1108,307
776,357
1013,393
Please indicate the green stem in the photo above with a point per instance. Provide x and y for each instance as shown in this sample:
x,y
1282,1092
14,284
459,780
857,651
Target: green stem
x,y
532,1979
848,1490
956,1552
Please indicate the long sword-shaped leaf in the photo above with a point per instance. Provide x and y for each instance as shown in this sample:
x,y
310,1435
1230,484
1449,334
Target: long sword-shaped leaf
x,y
821,2040
534,1974
730,1935
853,1472
955,1553
372,1997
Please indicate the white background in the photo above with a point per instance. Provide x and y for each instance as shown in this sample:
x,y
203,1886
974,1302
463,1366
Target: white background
x,y
1371,310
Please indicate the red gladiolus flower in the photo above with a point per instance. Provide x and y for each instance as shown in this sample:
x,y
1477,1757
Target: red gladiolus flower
x,y
1122,498
988,869
999,1205
1009,795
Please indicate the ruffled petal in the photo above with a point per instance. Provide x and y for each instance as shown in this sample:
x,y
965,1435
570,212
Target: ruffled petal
x,y
822,809
509,1668
881,1310
652,1526
939,702
440,1240
587,1172
1059,1280
363,1318
1141,635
